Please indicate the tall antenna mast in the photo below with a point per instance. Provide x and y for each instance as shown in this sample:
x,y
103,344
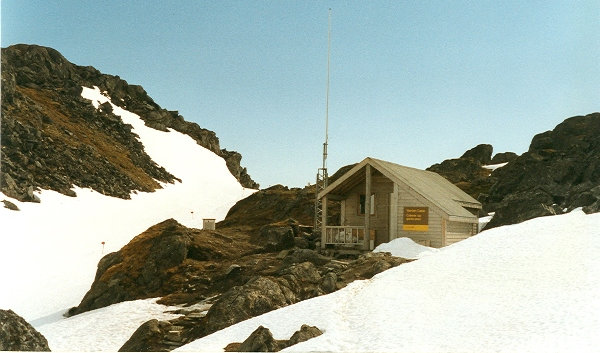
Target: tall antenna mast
x,y
322,177
327,96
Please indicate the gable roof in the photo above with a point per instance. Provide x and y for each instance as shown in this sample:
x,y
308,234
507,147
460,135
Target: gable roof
x,y
430,185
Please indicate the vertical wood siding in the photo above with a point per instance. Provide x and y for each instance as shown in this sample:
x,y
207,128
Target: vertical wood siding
x,y
457,231
381,187
433,236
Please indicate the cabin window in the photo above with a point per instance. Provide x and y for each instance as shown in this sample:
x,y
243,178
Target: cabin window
x,y
362,201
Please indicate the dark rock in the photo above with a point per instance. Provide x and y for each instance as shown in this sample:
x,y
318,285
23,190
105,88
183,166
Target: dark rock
x,y
16,334
303,255
467,173
480,153
275,237
303,243
258,296
10,205
261,340
503,157
329,282
263,294
275,204
305,333
148,337
560,171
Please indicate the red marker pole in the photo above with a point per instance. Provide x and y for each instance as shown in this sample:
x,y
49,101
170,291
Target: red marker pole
x,y
103,247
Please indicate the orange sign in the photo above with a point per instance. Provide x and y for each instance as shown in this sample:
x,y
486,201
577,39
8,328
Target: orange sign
x,y
416,219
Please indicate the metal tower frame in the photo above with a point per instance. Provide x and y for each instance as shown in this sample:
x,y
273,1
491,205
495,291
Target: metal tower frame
x,y
322,177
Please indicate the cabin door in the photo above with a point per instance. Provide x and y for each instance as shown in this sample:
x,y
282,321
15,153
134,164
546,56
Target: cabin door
x,y
382,215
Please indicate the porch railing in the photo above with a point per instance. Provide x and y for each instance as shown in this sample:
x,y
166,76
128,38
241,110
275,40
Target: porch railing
x,y
344,234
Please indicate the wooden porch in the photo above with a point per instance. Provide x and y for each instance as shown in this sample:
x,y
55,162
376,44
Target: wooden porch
x,y
344,235
350,236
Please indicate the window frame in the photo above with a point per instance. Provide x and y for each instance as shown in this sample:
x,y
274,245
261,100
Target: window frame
x,y
362,200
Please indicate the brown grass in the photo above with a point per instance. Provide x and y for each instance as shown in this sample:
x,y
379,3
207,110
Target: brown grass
x,y
84,134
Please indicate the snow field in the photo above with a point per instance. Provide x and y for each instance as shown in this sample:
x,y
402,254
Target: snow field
x,y
104,329
528,287
49,251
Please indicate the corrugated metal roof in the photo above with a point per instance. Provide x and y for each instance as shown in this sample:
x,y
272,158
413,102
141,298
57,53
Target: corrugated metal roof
x,y
429,185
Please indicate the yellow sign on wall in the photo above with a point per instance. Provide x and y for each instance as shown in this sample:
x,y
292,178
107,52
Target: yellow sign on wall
x,y
416,219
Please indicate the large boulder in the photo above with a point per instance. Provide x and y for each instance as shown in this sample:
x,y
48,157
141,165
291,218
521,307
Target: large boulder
x,y
275,237
16,334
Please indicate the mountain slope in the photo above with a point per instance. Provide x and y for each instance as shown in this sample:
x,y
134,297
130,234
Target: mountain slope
x,y
54,246
53,139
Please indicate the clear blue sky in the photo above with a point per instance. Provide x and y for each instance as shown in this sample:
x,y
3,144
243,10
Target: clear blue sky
x,y
412,82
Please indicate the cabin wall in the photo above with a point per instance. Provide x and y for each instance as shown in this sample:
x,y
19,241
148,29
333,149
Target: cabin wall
x,y
457,231
382,188
433,235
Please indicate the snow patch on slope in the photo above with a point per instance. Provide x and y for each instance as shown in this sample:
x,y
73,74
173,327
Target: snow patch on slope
x,y
493,167
405,248
528,287
49,251
105,329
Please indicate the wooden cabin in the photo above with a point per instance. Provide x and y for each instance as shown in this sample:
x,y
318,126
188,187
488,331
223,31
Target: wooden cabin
x,y
403,202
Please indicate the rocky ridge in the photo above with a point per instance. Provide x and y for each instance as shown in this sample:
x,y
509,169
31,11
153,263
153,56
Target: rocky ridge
x,y
559,172
468,172
54,139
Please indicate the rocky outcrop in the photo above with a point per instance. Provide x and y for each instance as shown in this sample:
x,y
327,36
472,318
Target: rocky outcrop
x,y
559,172
467,172
503,157
147,337
261,340
275,204
480,153
54,139
16,334
291,284
263,294
276,236
167,259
